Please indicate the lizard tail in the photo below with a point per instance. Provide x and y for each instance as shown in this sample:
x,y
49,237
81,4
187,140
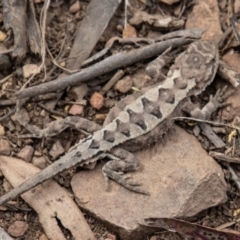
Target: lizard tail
x,y
65,162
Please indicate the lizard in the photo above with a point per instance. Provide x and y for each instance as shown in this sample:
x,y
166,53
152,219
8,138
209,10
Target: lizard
x,y
192,71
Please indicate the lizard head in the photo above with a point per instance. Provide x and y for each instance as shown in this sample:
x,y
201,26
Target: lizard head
x,y
198,63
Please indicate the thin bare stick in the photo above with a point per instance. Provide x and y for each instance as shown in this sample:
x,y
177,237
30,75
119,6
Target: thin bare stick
x,y
235,177
52,111
109,64
112,81
206,121
8,115
2,81
223,157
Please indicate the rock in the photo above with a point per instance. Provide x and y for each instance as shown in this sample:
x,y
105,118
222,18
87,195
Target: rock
x,y
90,166
43,113
5,148
2,131
153,238
26,153
39,162
7,186
3,36
97,100
233,109
124,85
18,228
111,236
30,69
237,7
233,61
78,92
140,78
75,7
205,15
129,32
43,237
119,28
76,110
56,150
179,176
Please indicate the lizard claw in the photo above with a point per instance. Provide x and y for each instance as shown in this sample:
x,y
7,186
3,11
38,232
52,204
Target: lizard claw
x,y
120,178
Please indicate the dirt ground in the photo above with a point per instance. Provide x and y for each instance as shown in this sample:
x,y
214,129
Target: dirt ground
x,y
63,19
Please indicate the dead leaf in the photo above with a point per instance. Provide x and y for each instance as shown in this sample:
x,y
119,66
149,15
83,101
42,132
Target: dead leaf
x,y
49,200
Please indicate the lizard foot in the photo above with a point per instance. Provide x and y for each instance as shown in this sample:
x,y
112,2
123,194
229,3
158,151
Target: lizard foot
x,y
120,178
215,102
115,169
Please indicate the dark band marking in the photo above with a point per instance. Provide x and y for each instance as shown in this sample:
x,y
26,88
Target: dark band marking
x,y
108,136
156,112
151,108
146,102
94,144
141,124
166,95
180,83
123,128
78,154
136,118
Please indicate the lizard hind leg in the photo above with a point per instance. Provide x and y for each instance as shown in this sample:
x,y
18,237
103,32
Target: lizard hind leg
x,y
123,161
58,126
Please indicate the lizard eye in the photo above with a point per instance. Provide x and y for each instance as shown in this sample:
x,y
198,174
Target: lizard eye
x,y
194,60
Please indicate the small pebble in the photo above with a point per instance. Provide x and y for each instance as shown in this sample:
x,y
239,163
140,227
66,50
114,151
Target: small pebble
x,y
97,100
26,153
124,85
75,7
56,150
129,32
3,36
39,162
2,131
43,237
18,228
5,148
76,110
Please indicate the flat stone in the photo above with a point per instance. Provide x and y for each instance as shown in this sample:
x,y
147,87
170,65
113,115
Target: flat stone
x,y
78,92
5,148
205,15
124,85
56,150
18,228
180,176
30,69
39,161
26,153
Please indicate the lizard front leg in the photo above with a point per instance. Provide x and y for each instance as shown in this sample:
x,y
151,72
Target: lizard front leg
x,y
124,162
215,102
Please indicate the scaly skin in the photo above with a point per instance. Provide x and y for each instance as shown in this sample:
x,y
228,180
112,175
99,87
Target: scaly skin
x,y
192,71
